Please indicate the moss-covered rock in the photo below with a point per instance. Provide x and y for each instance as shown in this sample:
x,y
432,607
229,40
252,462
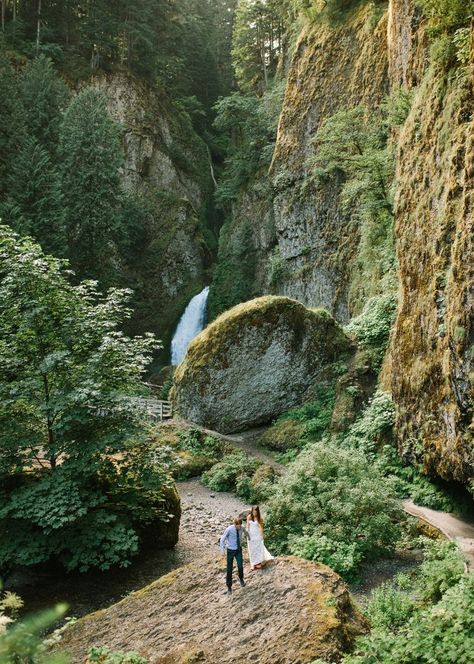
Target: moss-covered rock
x,y
292,611
255,362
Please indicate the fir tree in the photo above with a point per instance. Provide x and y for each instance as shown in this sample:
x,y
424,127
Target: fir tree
x,y
11,124
91,155
44,97
35,206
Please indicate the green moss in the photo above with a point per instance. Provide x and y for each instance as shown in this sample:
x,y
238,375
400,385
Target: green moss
x,y
268,311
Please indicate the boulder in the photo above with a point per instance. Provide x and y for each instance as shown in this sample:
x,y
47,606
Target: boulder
x,y
291,612
255,362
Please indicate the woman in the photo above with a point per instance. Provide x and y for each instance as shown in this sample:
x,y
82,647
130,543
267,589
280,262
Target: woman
x,y
257,552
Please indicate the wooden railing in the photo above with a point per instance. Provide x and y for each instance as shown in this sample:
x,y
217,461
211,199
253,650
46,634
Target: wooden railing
x,y
157,409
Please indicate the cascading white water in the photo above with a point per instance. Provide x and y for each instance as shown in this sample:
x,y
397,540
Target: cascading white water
x,y
191,323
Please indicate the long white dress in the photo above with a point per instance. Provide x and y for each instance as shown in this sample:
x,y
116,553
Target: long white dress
x,y
257,552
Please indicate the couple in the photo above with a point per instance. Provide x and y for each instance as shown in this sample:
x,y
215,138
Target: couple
x,y
232,537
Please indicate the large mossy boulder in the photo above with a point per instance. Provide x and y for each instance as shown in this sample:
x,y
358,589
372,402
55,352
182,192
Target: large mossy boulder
x,y
292,611
255,362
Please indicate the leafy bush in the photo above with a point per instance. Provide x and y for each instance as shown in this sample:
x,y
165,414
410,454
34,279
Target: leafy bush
x,y
300,426
372,327
389,608
23,641
242,474
373,428
434,623
338,495
105,655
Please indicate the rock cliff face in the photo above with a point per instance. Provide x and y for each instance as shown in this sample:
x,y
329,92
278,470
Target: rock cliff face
x,y
291,612
430,370
255,362
166,164
301,244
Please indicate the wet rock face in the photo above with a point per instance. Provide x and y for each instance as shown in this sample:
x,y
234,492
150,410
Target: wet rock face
x,y
291,612
255,362
166,166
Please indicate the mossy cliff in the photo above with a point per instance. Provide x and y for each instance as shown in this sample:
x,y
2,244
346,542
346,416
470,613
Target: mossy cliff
x,y
302,244
430,368
166,164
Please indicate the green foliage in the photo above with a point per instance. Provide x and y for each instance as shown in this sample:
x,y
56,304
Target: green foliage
x,y
433,623
248,123
35,205
396,107
77,482
45,96
389,608
91,155
11,113
373,428
22,642
337,495
242,474
278,269
352,145
105,655
235,271
448,26
372,327
257,43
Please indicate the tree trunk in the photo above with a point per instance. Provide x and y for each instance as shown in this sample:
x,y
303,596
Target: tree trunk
x,y
38,27
49,424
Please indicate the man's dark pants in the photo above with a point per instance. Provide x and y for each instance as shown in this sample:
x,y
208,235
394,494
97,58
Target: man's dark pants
x,y
237,554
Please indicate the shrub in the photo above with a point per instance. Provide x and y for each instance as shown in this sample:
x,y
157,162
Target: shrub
x,y
107,656
389,608
372,327
337,494
442,568
374,426
242,474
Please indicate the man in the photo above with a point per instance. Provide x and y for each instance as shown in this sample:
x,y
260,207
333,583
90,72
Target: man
x,y
232,537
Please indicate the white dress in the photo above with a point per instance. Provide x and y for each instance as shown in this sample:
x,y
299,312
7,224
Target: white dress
x,y
257,551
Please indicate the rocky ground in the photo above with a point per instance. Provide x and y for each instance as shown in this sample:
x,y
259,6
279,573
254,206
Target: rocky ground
x,y
291,612
204,517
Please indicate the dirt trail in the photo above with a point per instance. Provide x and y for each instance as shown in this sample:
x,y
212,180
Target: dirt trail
x,y
452,526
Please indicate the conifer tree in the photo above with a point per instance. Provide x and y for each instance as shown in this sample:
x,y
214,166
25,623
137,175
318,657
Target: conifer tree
x,y
91,155
35,205
44,96
11,122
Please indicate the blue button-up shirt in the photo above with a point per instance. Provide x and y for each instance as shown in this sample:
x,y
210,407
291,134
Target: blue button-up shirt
x,y
230,538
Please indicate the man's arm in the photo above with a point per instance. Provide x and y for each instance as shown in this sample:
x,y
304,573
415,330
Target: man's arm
x,y
224,539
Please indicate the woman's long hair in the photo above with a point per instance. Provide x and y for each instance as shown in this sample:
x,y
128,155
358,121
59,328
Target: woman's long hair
x,y
256,509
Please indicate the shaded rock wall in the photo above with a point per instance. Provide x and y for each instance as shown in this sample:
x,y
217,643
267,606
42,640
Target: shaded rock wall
x,y
305,247
166,164
430,368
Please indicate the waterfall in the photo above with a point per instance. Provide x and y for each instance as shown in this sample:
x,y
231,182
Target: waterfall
x,y
191,323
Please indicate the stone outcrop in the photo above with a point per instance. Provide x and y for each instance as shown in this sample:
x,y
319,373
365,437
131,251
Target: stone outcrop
x,y
291,612
166,165
431,363
255,362
300,242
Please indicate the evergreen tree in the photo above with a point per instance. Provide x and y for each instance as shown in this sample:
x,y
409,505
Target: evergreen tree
x,y
44,98
35,206
91,155
12,128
